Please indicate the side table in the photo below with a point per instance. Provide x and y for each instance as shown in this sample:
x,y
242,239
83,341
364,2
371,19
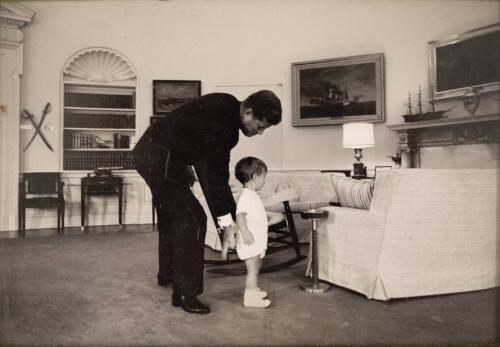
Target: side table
x,y
101,185
314,215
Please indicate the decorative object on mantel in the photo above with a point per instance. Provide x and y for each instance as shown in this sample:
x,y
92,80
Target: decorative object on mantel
x,y
358,136
396,159
471,100
421,116
38,127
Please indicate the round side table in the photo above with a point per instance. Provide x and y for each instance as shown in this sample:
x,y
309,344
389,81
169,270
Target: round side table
x,y
315,286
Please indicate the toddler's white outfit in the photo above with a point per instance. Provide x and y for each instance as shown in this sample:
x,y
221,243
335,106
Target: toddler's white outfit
x,y
250,204
255,215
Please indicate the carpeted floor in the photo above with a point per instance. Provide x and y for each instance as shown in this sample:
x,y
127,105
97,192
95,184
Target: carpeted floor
x,y
99,289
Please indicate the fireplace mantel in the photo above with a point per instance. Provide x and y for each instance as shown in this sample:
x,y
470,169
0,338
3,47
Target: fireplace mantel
x,y
444,132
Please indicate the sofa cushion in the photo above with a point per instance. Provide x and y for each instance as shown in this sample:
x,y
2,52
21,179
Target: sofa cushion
x,y
352,193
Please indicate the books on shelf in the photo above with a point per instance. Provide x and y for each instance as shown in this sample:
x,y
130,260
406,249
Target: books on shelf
x,y
121,140
99,121
98,100
78,140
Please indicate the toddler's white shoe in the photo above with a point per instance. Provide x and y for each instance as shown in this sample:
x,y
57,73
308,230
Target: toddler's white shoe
x,y
263,293
253,298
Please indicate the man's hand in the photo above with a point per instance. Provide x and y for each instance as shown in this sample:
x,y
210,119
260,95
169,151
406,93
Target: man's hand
x,y
228,239
230,235
247,237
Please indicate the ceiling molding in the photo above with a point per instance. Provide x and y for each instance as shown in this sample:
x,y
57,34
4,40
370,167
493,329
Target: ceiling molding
x,y
16,14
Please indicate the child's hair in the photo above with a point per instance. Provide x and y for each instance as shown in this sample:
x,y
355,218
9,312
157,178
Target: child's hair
x,y
247,167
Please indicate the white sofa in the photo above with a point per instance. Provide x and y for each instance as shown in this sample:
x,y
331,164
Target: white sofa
x,y
427,232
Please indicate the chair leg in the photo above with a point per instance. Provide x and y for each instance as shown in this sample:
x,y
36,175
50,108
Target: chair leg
x,y
58,219
291,228
62,219
23,220
19,220
295,240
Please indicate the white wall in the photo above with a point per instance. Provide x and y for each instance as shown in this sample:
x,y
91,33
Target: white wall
x,y
242,43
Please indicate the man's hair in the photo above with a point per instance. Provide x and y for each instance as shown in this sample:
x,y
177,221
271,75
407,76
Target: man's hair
x,y
265,106
247,167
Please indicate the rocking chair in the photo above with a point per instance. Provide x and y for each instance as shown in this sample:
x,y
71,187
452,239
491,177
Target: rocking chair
x,y
282,235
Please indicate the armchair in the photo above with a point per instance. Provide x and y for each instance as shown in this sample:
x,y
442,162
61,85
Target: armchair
x,y
40,190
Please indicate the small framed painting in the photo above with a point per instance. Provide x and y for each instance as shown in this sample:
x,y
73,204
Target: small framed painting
x,y
171,94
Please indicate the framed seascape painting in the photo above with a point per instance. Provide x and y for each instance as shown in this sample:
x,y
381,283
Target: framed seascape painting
x,y
465,60
339,90
170,94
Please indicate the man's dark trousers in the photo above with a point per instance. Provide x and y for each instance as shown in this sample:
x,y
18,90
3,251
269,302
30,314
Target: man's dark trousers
x,y
182,225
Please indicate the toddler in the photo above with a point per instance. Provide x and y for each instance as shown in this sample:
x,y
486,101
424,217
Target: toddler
x,y
251,220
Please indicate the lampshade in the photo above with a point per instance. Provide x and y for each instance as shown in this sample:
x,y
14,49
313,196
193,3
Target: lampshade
x,y
358,135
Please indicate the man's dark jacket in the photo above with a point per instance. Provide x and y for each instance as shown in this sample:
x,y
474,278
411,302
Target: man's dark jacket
x,y
201,133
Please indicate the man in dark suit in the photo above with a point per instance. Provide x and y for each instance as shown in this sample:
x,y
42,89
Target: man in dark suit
x,y
202,134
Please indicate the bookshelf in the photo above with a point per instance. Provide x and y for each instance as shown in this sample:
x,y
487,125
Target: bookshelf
x,y
99,111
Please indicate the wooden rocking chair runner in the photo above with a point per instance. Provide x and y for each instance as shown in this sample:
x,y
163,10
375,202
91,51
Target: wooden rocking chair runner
x,y
282,235
41,190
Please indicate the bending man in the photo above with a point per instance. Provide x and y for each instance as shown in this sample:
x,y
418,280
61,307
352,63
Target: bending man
x,y
201,133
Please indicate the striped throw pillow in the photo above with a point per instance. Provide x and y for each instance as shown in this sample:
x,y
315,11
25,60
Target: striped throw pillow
x,y
352,193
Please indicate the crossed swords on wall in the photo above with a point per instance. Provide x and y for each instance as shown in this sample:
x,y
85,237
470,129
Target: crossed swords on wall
x,y
38,127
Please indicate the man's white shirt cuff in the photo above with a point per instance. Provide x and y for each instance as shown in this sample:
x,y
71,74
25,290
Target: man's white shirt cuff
x,y
225,221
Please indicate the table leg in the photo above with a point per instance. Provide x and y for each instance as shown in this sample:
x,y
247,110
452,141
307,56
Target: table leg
x,y
82,205
315,286
120,199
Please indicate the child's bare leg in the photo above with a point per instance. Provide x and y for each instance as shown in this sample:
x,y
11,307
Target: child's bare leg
x,y
253,268
254,297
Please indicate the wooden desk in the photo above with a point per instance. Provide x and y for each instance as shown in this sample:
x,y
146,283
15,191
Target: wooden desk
x,y
101,185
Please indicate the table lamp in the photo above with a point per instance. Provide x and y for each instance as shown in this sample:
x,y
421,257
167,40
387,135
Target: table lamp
x,y
358,136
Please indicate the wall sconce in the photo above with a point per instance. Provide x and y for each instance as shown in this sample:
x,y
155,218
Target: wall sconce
x,y
358,136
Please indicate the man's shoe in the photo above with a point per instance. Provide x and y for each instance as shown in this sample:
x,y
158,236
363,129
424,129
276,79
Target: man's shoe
x,y
189,304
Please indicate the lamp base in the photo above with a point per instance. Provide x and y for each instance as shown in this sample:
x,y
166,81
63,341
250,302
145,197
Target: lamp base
x,y
359,171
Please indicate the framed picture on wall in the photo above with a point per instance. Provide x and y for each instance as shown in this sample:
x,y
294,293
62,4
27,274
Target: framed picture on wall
x,y
339,90
170,94
461,61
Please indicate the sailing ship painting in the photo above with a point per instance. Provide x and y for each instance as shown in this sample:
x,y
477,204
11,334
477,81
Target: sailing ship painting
x,y
338,91
420,115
